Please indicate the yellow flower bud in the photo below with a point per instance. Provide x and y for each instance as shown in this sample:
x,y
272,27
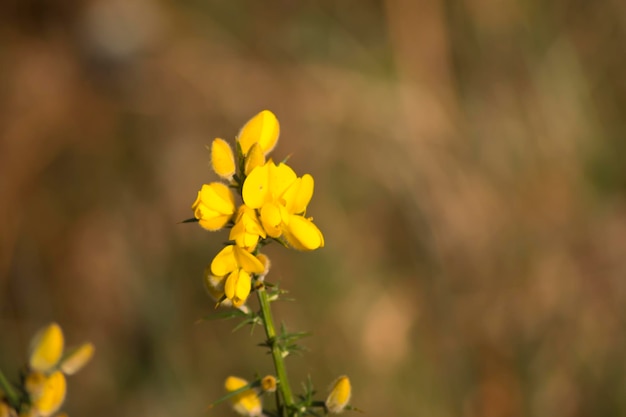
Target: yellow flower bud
x,y
268,383
246,403
78,358
222,159
262,129
51,397
46,348
254,158
339,395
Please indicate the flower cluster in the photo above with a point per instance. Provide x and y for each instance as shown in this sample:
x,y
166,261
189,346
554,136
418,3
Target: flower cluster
x,y
273,202
44,385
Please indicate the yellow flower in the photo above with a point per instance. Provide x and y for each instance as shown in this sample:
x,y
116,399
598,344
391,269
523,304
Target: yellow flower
x,y
214,206
339,395
47,394
281,198
234,265
46,348
77,358
246,403
247,229
222,159
262,129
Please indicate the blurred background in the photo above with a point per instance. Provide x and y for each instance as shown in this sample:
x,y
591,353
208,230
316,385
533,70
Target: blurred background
x,y
470,169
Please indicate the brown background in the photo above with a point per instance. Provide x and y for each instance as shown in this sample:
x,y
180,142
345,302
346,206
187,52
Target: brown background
x,y
469,160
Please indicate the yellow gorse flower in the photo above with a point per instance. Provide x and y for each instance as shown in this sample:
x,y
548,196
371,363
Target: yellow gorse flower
x,y
47,393
281,198
246,403
214,206
247,229
234,265
274,206
339,396
262,129
46,348
45,382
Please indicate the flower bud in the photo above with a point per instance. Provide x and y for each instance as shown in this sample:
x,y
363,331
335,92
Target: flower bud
x,y
339,395
46,348
78,358
268,383
222,159
262,129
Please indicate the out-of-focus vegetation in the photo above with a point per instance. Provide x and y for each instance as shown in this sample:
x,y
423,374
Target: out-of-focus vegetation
x,y
470,168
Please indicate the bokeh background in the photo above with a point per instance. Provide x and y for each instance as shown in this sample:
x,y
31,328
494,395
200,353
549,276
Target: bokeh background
x,y
470,169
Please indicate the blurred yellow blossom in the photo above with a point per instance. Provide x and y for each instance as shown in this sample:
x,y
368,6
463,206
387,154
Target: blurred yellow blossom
x,y
339,396
246,403
46,348
77,358
47,394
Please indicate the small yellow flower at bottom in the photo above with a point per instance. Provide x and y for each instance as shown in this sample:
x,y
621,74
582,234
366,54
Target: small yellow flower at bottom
x,y
47,398
46,348
246,403
339,396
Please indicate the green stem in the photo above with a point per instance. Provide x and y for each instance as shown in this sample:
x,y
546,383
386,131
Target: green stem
x,y
279,362
9,391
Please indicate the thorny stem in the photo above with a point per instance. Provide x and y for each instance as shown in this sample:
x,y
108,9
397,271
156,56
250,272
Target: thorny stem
x,y
279,362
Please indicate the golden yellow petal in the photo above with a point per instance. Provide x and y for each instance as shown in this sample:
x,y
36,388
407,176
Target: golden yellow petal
x,y
222,159
52,396
339,396
263,129
46,348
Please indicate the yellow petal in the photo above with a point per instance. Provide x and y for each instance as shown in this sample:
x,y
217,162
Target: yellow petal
x,y
298,195
262,129
271,219
52,396
267,183
247,261
224,262
222,159
237,287
78,358
46,348
339,395
302,234
247,403
254,158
